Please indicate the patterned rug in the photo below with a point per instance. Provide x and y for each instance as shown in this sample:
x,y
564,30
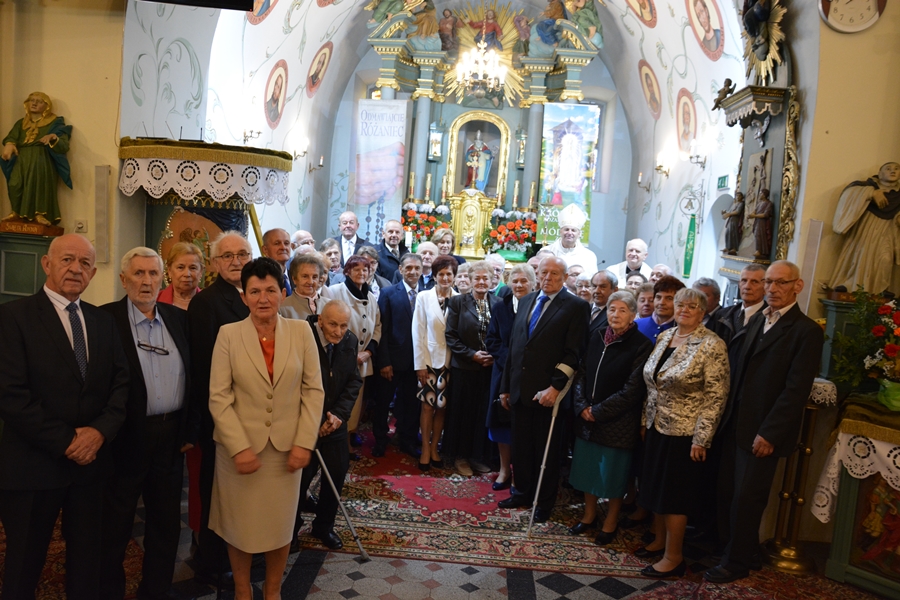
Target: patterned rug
x,y
53,579
762,585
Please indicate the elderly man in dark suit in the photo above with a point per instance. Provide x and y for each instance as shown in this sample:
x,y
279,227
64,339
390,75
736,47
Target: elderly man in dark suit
x,y
340,376
348,241
63,390
217,305
603,285
545,347
159,426
391,250
778,363
394,361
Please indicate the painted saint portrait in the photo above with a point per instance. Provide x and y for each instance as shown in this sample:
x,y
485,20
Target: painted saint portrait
x,y
276,90
318,68
685,120
645,10
650,85
261,10
706,21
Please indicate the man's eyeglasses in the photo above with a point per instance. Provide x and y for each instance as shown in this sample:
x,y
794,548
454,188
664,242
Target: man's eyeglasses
x,y
778,282
155,349
230,256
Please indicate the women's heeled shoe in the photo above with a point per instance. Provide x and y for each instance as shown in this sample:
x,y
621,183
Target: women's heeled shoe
x,y
501,485
642,552
580,527
678,571
605,537
425,467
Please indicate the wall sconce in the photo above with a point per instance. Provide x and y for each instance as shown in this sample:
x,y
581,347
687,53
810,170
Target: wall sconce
x,y
696,157
662,170
645,187
305,146
321,164
251,135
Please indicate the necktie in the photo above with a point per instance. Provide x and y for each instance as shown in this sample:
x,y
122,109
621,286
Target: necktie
x,y
329,351
78,343
743,318
596,312
312,306
287,284
412,299
396,253
537,314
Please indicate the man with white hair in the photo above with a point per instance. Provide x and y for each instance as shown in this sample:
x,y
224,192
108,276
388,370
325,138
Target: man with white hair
x,y
160,425
277,246
635,255
302,238
658,272
568,247
349,242
498,265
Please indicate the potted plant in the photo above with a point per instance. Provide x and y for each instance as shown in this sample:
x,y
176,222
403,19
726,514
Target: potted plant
x,y
511,235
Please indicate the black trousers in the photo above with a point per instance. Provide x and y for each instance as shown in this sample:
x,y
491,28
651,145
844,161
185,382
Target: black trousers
x,y
336,455
752,484
29,517
530,428
725,481
211,556
157,476
402,390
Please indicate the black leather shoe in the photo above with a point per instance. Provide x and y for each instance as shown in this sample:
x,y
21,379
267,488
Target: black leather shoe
x,y
580,527
605,537
720,574
311,503
424,467
629,523
330,540
541,515
642,552
212,579
514,501
678,571
501,485
355,440
437,464
379,450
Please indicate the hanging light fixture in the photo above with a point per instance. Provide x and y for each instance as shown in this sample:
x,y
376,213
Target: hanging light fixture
x,y
479,70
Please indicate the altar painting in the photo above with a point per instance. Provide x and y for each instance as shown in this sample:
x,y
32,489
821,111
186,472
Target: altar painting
x,y
568,164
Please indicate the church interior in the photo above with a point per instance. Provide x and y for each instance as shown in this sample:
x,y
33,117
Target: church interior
x,y
651,117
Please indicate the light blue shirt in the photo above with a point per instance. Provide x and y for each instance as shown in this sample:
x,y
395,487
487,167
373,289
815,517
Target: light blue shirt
x,y
163,374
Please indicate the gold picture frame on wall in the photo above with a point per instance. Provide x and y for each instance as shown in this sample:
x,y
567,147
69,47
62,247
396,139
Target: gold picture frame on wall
x,y
456,162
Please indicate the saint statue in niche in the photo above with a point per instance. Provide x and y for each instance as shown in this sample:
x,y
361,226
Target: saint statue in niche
x,y
868,214
489,31
447,31
33,158
734,224
762,224
478,163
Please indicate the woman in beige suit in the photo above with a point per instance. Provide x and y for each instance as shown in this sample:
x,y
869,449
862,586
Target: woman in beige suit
x,y
431,358
265,397
687,385
365,323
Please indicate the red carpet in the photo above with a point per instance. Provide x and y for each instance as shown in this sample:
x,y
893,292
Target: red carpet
x,y
53,580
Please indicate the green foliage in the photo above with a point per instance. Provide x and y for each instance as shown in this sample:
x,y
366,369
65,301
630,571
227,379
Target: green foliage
x,y
850,351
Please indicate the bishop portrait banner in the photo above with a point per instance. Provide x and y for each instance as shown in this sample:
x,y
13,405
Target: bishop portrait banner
x,y
569,158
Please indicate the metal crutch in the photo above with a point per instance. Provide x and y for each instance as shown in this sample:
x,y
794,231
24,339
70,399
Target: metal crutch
x,y
362,551
570,372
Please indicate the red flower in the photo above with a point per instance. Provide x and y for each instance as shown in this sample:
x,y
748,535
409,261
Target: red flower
x,y
494,233
432,220
896,318
891,350
534,227
501,229
884,309
518,222
522,238
879,330
410,213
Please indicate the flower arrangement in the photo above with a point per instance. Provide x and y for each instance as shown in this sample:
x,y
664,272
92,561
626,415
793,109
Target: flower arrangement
x,y
873,351
516,234
422,221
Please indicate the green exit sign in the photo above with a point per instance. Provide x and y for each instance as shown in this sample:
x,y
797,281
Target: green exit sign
x,y
723,182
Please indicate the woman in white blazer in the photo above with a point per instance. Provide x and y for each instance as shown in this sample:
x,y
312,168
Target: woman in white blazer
x,y
266,398
431,359
365,323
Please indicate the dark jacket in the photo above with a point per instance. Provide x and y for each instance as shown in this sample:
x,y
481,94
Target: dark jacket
x,y
502,317
388,264
612,384
396,347
422,286
462,330
43,397
129,444
340,379
360,242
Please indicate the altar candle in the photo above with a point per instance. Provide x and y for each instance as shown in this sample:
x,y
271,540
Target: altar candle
x,y
321,161
408,238
443,187
515,203
640,176
412,185
427,187
531,193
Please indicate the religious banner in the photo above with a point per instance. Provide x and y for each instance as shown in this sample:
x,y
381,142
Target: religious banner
x,y
689,245
382,137
568,164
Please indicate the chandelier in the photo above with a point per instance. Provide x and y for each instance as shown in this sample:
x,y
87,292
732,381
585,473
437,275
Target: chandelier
x,y
479,70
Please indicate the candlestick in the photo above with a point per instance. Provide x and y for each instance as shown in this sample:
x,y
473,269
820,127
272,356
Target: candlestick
x,y
640,176
443,188
427,187
412,185
531,193
321,161
515,203
408,238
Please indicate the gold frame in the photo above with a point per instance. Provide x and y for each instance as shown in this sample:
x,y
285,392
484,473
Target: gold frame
x,y
471,212
453,149
790,178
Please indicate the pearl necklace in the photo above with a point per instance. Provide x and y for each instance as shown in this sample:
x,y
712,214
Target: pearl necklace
x,y
684,335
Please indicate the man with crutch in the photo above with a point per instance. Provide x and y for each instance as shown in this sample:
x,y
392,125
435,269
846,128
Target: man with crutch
x,y
341,380
544,350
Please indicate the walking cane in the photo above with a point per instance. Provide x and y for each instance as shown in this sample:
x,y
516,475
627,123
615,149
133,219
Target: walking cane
x,y
570,372
362,551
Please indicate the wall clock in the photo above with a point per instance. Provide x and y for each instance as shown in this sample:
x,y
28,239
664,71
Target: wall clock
x,y
851,16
